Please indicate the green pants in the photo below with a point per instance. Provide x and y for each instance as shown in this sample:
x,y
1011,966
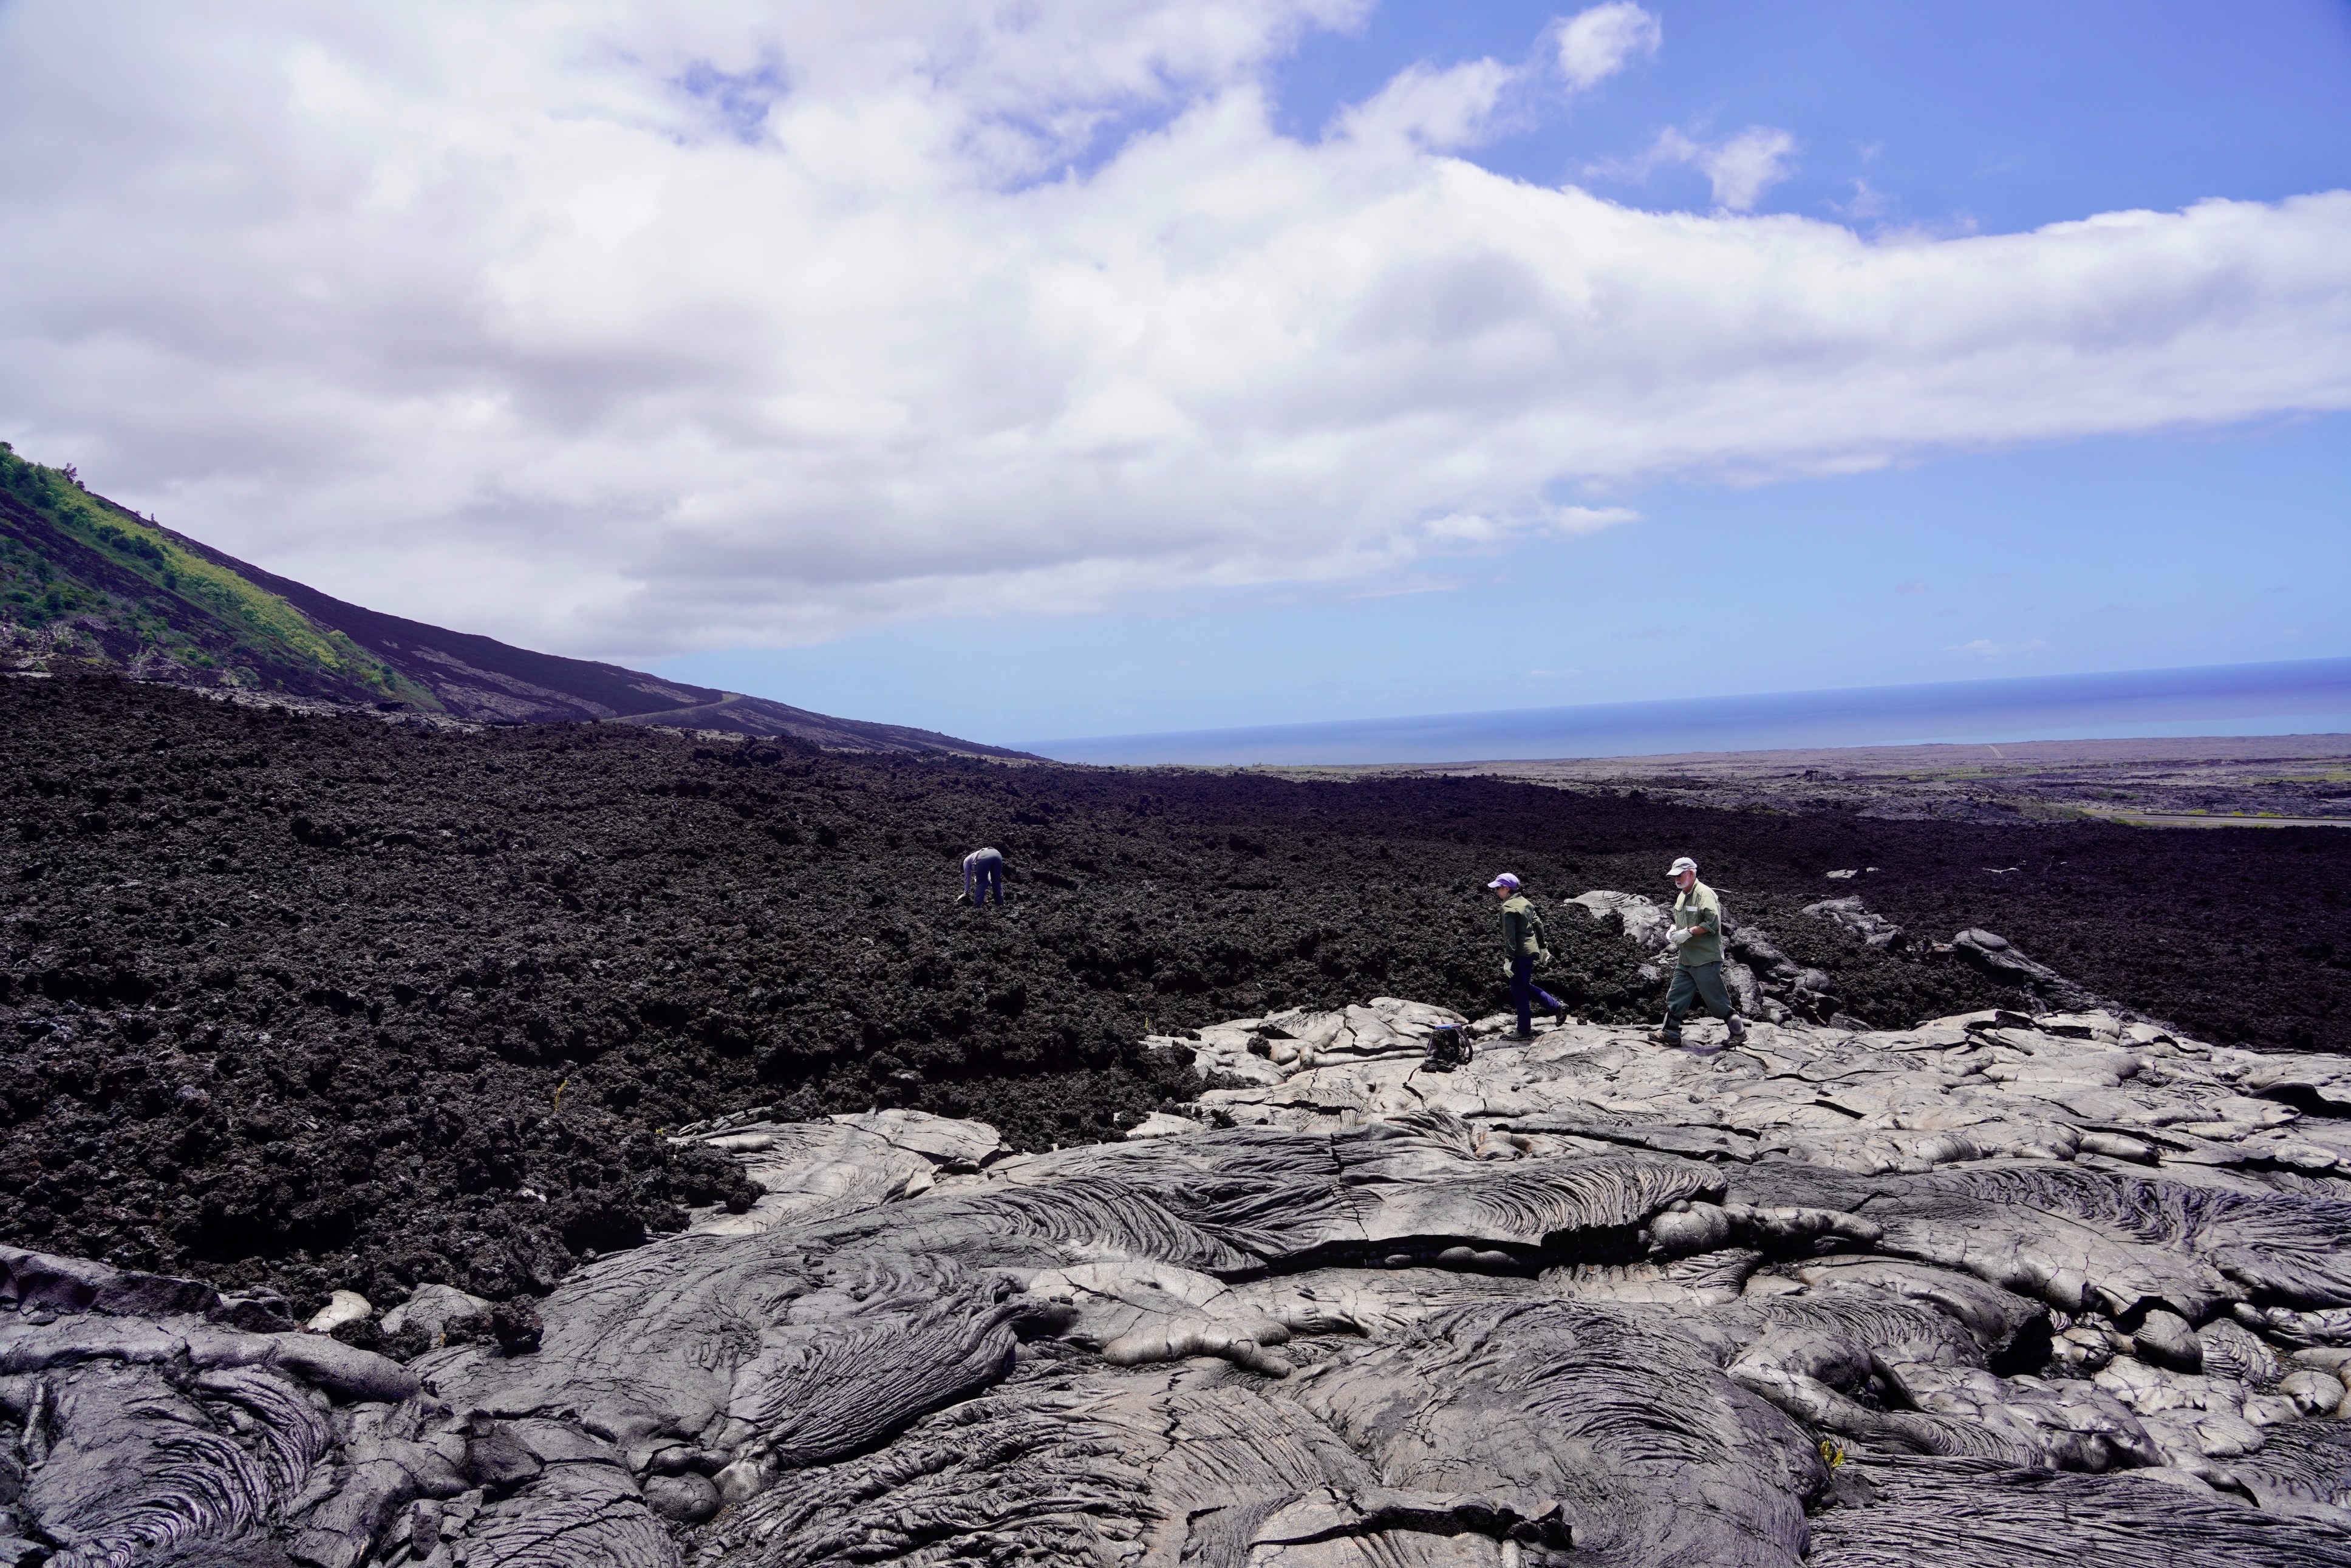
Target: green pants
x,y
1700,984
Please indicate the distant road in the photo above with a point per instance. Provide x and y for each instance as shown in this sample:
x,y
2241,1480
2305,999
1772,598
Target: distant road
x,y
676,717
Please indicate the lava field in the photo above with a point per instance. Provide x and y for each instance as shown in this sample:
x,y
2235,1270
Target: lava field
x,y
304,1003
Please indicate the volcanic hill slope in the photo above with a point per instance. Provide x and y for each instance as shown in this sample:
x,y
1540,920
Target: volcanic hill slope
x,y
81,577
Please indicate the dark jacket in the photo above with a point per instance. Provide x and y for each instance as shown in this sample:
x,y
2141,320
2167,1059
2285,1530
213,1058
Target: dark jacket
x,y
1522,928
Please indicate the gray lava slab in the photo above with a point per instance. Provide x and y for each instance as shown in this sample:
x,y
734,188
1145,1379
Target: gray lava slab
x,y
1997,1289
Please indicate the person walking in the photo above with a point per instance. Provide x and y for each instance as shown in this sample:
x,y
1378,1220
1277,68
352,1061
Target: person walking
x,y
1522,944
1697,937
983,872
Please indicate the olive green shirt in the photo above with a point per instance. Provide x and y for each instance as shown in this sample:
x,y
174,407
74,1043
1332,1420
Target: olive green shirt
x,y
1522,928
1701,911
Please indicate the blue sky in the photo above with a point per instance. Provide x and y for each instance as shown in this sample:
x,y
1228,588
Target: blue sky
x,y
1041,370
2003,114
2117,554
2189,546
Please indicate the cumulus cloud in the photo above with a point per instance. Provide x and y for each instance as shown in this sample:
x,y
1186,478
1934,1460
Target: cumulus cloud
x,y
1594,45
623,330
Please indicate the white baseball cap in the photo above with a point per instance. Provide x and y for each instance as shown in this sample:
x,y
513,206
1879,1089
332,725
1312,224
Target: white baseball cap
x,y
1681,865
1508,879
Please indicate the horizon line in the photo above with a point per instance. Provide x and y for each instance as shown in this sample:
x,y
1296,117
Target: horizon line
x,y
1916,713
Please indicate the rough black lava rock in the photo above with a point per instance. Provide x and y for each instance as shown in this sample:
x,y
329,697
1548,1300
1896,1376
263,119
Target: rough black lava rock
x,y
313,1003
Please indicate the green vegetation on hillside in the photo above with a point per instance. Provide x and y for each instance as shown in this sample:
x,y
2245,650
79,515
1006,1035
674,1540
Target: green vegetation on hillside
x,y
256,634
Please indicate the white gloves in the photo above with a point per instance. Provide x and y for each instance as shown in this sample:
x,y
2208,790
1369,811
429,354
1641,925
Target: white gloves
x,y
1681,934
1507,969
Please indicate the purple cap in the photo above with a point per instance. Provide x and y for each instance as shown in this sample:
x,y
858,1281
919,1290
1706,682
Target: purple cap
x,y
1507,879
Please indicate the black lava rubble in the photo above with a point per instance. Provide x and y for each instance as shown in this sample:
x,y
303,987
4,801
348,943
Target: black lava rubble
x,y
300,1003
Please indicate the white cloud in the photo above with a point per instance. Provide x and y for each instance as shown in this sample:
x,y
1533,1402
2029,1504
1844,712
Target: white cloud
x,y
1453,107
1588,520
1474,527
1594,45
1740,168
623,330
1868,202
1441,110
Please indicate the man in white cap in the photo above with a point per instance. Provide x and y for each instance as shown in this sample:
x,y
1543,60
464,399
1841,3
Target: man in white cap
x,y
1697,937
1522,944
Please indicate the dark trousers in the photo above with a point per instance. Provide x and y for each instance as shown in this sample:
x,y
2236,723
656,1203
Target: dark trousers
x,y
1697,983
987,877
1526,993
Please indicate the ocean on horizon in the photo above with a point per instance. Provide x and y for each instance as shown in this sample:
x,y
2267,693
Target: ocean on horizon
x,y
2298,697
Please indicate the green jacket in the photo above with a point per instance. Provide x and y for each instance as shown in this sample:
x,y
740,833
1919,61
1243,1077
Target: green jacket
x,y
1522,928
1701,910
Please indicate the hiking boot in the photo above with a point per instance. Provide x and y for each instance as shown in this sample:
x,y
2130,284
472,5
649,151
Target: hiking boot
x,y
1522,1038
1665,1036
1559,1015
1738,1031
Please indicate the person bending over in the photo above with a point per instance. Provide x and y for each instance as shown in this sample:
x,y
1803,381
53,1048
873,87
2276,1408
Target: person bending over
x,y
983,873
1522,944
1697,937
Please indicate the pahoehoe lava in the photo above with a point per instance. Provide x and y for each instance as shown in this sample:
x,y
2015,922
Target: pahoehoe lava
x,y
710,1152
1992,1290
